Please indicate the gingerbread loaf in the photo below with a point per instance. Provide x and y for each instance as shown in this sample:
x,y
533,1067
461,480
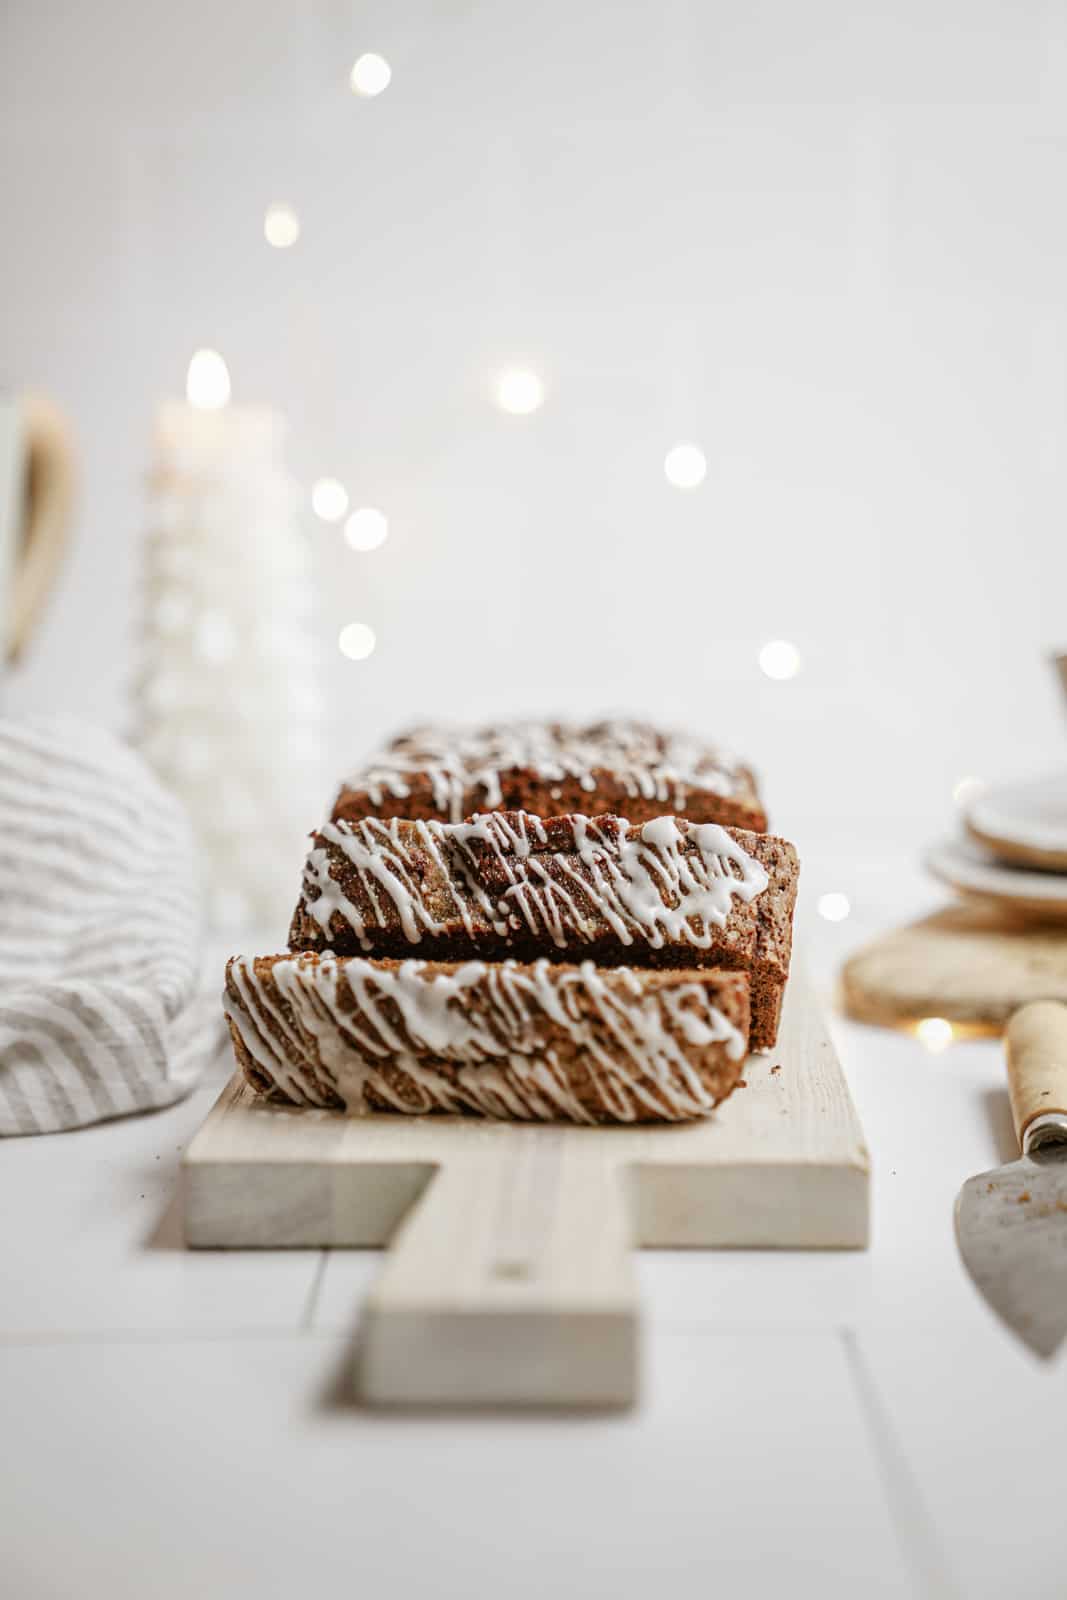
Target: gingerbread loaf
x,y
543,1041
620,766
669,893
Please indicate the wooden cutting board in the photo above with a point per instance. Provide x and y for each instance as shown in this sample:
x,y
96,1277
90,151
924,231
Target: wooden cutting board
x,y
970,963
509,1279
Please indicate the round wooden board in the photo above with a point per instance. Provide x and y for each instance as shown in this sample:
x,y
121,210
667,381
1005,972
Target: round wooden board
x,y
969,963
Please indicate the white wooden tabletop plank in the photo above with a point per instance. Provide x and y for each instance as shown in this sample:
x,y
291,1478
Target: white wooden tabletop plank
x,y
93,1242
238,1469
979,1421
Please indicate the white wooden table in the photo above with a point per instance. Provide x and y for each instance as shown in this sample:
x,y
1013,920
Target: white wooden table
x,y
813,1424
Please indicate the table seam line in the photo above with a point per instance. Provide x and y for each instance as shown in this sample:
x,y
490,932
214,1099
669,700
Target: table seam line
x,y
909,1514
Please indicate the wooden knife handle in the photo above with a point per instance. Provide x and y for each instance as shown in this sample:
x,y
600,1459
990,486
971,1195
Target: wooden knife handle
x,y
1037,1065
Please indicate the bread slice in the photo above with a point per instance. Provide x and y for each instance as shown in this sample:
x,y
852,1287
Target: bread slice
x,y
621,766
541,1041
667,894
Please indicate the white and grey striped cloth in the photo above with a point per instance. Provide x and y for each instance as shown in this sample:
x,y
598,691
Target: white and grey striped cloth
x,y
100,1006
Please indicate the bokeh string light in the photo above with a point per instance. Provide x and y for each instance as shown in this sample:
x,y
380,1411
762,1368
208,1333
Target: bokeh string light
x,y
329,499
281,226
935,1033
780,659
519,392
370,75
685,466
366,529
834,907
207,383
356,640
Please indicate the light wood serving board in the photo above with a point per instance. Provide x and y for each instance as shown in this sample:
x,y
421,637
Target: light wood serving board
x,y
971,964
509,1278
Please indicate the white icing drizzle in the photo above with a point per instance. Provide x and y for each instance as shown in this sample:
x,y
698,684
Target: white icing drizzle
x,y
667,881
635,1039
379,853
280,1063
654,764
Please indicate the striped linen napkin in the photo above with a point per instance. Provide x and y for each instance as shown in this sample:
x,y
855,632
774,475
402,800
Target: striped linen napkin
x,y
101,1009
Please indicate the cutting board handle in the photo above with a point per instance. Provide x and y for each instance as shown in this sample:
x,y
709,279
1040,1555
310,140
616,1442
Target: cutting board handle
x,y
509,1283
1037,1073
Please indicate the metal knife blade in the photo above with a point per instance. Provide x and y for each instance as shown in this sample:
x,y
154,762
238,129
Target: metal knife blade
x,y
1012,1230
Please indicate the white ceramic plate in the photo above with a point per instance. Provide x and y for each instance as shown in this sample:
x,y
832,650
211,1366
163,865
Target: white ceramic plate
x,y
1023,822
971,870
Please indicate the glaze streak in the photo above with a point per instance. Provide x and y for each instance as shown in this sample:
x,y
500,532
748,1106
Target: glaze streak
x,y
551,767
501,1039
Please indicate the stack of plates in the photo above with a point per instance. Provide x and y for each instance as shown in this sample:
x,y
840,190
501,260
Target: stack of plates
x,y
1014,851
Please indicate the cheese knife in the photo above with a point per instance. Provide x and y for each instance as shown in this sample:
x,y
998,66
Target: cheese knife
x,y
1012,1222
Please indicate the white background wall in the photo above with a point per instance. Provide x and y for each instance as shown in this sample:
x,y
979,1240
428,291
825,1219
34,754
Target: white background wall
x,y
825,240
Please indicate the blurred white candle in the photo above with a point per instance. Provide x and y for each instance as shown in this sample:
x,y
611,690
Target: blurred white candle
x,y
229,685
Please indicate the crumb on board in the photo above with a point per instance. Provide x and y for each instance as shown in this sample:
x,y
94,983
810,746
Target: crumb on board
x,y
1022,1198
776,1068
